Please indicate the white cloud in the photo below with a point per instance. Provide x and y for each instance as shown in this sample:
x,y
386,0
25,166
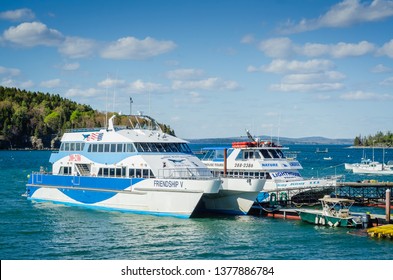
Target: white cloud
x,y
248,39
30,34
386,49
12,83
283,47
387,82
277,47
51,83
9,71
306,87
303,76
18,15
76,47
70,66
345,49
313,77
83,93
343,14
296,66
380,68
133,48
112,83
365,96
140,86
206,84
184,74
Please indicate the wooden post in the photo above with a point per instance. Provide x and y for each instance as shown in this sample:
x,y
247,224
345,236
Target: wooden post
x,y
387,206
225,162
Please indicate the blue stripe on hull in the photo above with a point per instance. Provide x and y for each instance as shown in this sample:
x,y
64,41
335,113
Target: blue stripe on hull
x,y
96,207
83,196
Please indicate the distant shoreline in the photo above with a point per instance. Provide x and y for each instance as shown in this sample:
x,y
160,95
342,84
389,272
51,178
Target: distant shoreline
x,y
369,147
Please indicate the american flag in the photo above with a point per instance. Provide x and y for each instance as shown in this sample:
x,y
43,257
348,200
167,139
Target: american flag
x,y
95,136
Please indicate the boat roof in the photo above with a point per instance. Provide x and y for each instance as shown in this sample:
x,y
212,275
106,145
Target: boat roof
x,y
336,200
216,148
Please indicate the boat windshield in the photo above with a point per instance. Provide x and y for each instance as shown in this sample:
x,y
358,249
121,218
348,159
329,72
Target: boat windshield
x,y
152,147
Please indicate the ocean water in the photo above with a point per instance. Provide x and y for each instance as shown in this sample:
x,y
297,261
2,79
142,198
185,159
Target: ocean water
x,y
47,231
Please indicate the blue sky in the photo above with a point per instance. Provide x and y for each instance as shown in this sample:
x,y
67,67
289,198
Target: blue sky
x,y
211,68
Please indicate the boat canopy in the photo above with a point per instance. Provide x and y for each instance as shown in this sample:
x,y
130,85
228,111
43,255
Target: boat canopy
x,y
329,199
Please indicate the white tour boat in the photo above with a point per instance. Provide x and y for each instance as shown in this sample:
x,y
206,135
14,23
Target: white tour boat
x,y
263,159
238,192
136,169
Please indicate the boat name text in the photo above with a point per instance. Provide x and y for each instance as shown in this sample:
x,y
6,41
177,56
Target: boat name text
x,y
168,184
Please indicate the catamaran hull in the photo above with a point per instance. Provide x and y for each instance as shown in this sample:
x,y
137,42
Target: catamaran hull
x,y
144,196
236,196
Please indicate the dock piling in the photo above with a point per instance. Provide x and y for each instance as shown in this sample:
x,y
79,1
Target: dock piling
x,y
387,204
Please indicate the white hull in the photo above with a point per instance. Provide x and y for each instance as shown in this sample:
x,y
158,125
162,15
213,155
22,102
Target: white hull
x,y
141,198
377,171
236,196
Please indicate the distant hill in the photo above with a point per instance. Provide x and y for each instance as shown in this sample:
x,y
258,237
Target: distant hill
x,y
316,140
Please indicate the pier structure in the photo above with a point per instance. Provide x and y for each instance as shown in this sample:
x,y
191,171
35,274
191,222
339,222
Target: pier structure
x,y
368,193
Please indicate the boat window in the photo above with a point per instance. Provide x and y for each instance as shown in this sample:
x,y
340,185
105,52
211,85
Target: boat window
x,y
280,153
240,155
152,147
265,153
173,147
185,148
145,173
94,148
111,172
119,148
113,148
106,172
138,173
130,148
161,147
66,146
118,172
219,154
131,172
274,153
65,170
145,147
167,147
138,147
100,148
106,148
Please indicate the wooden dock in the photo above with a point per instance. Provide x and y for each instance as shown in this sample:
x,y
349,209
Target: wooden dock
x,y
292,214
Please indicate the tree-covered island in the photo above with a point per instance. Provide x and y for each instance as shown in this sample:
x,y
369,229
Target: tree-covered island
x,y
37,120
